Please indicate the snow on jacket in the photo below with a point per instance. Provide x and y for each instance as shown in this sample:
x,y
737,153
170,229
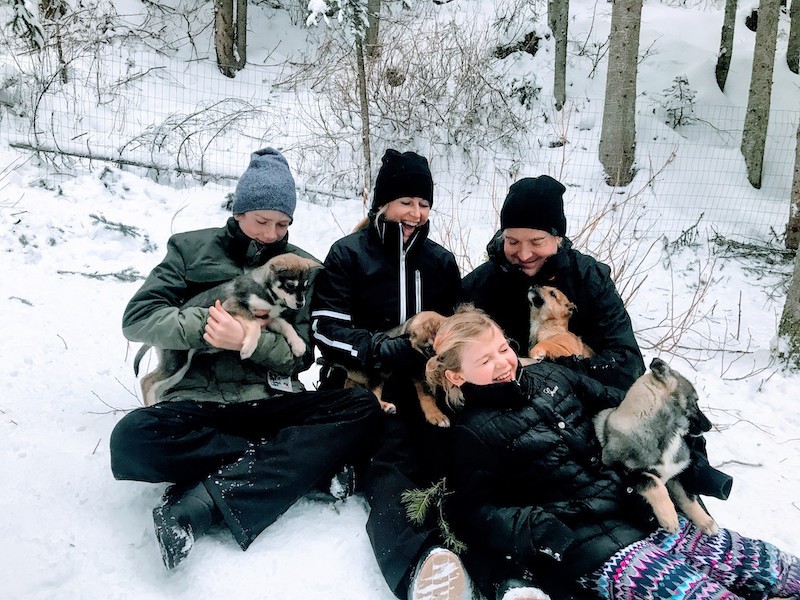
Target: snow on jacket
x,y
371,283
197,261
527,477
501,289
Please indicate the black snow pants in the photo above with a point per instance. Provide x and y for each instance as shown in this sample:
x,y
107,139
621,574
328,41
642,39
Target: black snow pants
x,y
255,458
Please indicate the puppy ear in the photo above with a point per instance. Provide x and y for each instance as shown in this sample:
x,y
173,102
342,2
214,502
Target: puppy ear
x,y
310,263
572,308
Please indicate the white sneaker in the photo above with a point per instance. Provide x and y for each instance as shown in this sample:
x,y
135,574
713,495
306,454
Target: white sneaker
x,y
439,576
525,593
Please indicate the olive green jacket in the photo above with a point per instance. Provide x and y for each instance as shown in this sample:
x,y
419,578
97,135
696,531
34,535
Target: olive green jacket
x,y
197,261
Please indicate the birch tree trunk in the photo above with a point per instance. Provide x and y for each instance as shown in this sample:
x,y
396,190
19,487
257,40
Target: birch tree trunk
x,y
362,98
373,20
618,135
558,19
793,226
789,328
754,136
793,47
726,44
223,37
241,34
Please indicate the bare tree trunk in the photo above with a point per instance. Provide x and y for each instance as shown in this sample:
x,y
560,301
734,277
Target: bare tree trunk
x,y
373,20
793,226
618,136
241,34
558,19
793,47
362,97
726,44
754,136
789,328
224,36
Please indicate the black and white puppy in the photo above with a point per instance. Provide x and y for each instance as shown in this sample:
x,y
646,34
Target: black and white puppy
x,y
645,434
279,284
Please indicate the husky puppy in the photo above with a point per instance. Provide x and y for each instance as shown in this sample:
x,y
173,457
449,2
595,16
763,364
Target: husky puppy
x,y
421,330
645,435
549,333
277,285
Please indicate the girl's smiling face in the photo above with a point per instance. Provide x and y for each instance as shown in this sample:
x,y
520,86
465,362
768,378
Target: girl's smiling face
x,y
488,359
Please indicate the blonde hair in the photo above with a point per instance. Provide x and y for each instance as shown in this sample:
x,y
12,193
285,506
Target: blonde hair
x,y
464,327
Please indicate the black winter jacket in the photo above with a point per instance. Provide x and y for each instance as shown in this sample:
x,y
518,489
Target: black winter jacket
x,y
501,289
528,480
371,283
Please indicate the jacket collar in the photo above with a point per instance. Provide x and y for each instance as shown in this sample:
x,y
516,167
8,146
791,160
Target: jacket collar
x,y
498,396
390,235
554,264
249,252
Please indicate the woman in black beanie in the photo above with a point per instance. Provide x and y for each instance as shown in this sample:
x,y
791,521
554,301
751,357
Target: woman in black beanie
x,y
375,279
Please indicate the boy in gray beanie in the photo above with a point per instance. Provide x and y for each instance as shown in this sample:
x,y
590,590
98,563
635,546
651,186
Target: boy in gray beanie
x,y
267,184
241,439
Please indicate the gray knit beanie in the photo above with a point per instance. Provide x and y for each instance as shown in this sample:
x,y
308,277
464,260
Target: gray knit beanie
x,y
267,184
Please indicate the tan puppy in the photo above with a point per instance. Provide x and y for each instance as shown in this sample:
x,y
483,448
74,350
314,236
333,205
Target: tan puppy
x,y
421,329
279,284
645,434
549,333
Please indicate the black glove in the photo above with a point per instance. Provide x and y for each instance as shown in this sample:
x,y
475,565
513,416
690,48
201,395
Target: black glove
x,y
396,355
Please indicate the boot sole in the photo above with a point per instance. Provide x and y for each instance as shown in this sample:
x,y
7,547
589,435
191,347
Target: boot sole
x,y
174,541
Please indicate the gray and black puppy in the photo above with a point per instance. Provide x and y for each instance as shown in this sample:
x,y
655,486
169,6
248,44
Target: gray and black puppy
x,y
645,434
279,284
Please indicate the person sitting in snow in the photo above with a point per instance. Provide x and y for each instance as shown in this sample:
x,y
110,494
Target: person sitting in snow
x,y
531,497
374,280
241,440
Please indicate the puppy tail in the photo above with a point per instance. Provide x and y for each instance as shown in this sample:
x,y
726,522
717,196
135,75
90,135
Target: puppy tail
x,y
138,358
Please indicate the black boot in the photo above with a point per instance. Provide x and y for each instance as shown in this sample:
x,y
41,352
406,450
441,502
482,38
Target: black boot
x,y
181,519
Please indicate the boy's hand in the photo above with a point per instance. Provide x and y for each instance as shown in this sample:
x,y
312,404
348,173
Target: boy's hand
x,y
222,330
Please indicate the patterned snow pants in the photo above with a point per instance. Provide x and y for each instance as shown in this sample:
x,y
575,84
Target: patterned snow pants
x,y
691,565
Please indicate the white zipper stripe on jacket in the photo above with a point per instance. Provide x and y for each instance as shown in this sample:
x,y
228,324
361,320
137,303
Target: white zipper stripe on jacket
x,y
334,344
403,306
417,291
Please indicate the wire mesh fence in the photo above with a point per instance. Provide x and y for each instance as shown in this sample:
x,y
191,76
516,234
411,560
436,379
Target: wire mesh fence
x,y
180,120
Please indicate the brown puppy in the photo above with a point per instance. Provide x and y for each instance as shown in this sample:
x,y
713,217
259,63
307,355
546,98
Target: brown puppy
x,y
645,434
279,284
549,335
421,329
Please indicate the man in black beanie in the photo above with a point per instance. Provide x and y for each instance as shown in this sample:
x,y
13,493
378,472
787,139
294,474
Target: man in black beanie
x,y
531,248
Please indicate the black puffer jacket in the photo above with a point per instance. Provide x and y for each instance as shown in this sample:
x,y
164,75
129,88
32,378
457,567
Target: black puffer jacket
x,y
528,480
371,283
501,289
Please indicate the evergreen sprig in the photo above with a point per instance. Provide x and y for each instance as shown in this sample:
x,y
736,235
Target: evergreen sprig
x,y
418,504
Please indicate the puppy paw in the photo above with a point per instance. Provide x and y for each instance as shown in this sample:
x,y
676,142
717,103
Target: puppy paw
x,y
439,420
669,523
388,407
708,526
248,347
298,347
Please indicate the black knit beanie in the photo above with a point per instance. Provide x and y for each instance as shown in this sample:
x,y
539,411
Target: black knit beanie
x,y
402,175
535,203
